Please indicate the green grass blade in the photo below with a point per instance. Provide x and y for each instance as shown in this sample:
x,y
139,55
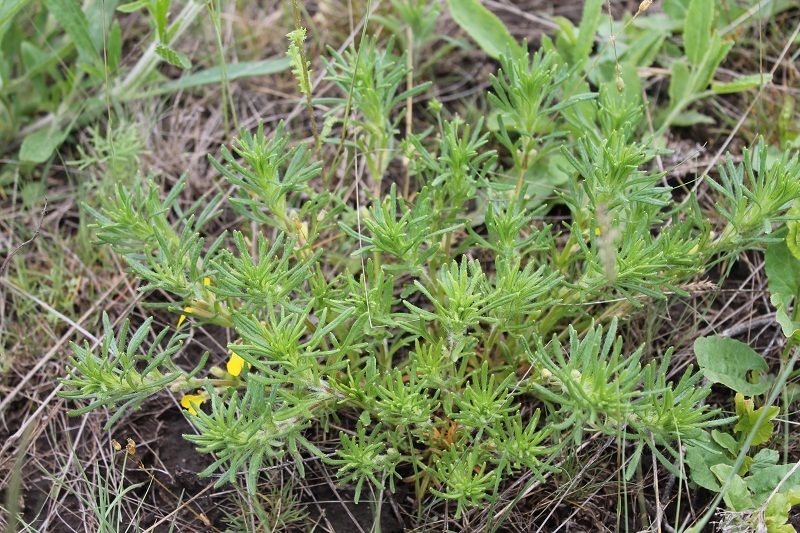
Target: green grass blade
x,y
213,75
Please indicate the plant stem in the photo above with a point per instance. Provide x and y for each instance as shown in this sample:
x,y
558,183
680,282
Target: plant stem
x,y
307,83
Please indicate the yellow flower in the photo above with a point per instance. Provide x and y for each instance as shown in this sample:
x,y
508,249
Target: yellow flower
x,y
183,317
192,401
206,281
236,364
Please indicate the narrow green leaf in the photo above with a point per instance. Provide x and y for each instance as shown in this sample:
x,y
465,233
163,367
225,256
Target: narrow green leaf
x,y
592,11
40,145
114,46
678,84
644,48
130,7
742,84
159,15
68,13
9,8
99,14
173,57
213,75
704,73
793,231
697,29
728,361
484,27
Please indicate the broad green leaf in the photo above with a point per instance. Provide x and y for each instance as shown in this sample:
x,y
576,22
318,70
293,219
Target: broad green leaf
x,y
743,405
32,57
485,28
632,94
737,497
783,278
763,482
173,57
9,8
69,15
701,455
592,11
728,361
793,233
783,271
742,84
777,512
676,9
697,30
659,22
213,75
690,118
747,424
765,458
789,327
725,440
678,83
40,145
545,177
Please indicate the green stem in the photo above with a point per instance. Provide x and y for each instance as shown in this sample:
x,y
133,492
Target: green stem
x,y
128,88
307,83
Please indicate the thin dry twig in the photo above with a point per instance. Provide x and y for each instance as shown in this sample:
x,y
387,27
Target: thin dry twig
x,y
7,260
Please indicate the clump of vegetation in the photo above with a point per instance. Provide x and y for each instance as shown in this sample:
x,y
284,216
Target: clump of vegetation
x,y
462,338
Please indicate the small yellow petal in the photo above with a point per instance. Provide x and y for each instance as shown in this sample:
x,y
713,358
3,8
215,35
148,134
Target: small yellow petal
x,y
597,230
236,364
192,401
206,281
183,317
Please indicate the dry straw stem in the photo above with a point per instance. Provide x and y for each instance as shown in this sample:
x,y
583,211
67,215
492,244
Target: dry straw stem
x,y
75,327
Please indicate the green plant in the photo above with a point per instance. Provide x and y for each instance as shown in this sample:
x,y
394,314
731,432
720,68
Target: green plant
x,y
62,66
760,494
107,494
371,79
414,26
757,491
424,340
277,510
